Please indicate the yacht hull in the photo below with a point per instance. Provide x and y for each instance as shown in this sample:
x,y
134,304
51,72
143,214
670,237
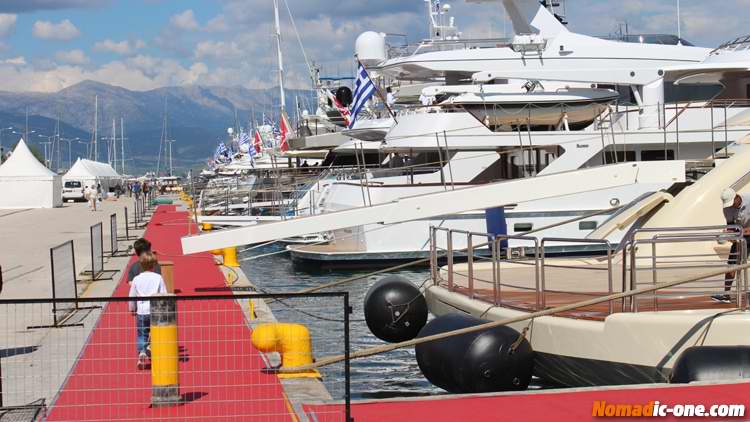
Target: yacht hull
x,y
623,348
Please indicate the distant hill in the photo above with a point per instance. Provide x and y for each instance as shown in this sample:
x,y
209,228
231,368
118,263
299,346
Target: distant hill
x,y
197,117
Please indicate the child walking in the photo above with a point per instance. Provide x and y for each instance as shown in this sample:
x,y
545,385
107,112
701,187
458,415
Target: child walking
x,y
147,283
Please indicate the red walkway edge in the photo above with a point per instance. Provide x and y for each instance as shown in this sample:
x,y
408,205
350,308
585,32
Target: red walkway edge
x,y
220,371
555,405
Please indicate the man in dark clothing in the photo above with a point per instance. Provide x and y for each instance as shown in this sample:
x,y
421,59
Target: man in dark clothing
x,y
736,212
140,246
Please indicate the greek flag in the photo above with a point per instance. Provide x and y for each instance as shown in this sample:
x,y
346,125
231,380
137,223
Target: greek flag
x,y
221,152
244,144
363,90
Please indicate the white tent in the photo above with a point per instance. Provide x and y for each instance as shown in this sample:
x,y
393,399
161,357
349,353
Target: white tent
x,y
27,183
92,172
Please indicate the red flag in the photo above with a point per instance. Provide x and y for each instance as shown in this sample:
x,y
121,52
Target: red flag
x,y
257,142
285,128
343,110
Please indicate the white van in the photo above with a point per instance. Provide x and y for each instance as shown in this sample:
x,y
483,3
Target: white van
x,y
73,190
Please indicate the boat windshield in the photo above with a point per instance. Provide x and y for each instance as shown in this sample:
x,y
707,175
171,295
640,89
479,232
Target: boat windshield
x,y
664,39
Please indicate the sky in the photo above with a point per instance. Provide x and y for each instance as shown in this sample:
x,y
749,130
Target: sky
x,y
47,45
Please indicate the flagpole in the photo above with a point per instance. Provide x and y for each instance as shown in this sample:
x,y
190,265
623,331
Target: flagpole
x,y
380,95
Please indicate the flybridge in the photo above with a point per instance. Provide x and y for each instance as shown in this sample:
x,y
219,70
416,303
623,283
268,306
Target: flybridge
x,y
448,202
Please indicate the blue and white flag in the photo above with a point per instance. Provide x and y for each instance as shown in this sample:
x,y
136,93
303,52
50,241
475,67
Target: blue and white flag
x,y
363,90
244,144
221,152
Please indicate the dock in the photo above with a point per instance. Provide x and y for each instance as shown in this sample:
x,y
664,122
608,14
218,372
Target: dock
x,y
87,370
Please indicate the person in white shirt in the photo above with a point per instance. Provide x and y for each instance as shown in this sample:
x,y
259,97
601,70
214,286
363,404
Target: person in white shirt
x,y
146,284
390,99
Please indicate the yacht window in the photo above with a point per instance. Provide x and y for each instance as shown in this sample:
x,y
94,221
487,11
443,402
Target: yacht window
x,y
685,93
656,155
587,225
523,227
622,156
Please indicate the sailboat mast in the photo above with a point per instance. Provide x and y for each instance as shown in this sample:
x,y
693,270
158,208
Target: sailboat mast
x,y
96,121
277,28
114,144
122,145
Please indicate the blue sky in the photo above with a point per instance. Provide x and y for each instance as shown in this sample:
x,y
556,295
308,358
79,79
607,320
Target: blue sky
x,y
46,45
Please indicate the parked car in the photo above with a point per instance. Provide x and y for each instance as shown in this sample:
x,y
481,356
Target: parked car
x,y
73,190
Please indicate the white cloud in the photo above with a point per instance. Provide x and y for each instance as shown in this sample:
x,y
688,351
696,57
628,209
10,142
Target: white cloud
x,y
138,73
63,31
217,24
7,24
76,57
123,48
15,61
185,20
218,50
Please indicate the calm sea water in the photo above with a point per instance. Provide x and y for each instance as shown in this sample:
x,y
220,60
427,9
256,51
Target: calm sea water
x,y
390,374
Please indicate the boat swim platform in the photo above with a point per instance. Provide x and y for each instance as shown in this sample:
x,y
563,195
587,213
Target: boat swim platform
x,y
221,374
568,404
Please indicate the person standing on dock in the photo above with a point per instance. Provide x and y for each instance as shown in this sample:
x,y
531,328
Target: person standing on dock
x,y
91,196
736,212
140,247
146,284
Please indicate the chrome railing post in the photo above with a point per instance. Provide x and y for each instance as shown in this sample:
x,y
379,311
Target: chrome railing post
x,y
470,263
433,255
653,275
633,269
536,268
449,247
739,274
495,269
541,282
609,276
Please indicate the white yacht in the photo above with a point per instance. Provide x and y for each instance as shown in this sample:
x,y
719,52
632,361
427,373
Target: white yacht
x,y
651,119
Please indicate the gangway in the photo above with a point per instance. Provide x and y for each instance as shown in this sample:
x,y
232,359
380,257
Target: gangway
x,y
430,205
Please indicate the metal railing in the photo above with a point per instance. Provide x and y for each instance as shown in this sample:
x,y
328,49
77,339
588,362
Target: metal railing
x,y
89,369
533,275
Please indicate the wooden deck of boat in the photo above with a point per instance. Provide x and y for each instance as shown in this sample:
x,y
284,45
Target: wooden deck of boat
x,y
583,279
527,301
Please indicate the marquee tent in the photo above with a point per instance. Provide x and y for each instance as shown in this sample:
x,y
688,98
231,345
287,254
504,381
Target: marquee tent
x,y
27,183
91,172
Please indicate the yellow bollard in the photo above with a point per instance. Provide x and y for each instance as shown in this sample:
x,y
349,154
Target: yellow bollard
x,y
230,257
165,353
291,341
207,227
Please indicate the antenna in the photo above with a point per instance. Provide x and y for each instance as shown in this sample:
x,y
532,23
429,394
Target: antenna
x,y
679,31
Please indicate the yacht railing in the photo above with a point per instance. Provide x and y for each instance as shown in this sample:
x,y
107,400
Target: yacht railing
x,y
531,281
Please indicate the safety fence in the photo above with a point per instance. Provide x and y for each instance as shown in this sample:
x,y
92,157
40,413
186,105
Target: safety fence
x,y
63,268
97,250
113,245
209,357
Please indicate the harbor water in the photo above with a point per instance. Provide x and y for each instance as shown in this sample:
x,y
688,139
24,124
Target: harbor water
x,y
386,375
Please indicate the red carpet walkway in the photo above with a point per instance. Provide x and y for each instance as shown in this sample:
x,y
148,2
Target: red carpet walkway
x,y
220,376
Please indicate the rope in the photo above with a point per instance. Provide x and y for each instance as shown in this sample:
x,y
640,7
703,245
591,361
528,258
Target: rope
x,y
563,308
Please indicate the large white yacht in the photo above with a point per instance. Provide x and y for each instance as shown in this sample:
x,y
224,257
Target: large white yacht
x,y
652,118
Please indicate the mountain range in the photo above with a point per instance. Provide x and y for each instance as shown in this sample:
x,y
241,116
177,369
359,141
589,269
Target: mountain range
x,y
197,116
